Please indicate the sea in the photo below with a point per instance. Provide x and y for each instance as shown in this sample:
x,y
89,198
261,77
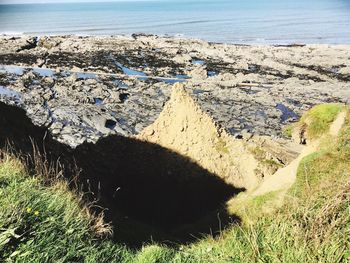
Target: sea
x,y
224,21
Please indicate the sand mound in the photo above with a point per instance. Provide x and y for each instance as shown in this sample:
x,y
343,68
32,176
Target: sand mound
x,y
184,128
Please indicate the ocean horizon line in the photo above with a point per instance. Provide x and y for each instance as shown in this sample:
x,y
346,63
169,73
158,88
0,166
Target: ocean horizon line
x,y
248,22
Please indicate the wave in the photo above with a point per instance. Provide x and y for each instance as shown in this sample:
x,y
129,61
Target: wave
x,y
11,33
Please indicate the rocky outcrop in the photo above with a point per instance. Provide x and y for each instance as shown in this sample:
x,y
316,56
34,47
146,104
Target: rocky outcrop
x,y
80,85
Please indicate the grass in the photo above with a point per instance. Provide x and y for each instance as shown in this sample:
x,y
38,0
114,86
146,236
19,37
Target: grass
x,y
312,226
319,118
262,156
47,223
221,146
288,130
250,209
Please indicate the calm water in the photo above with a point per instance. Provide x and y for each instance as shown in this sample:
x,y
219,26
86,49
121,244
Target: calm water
x,y
237,21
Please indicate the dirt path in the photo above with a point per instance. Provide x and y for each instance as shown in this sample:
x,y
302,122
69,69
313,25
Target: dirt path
x,y
337,124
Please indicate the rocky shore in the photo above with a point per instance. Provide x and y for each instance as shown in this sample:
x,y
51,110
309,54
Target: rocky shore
x,y
84,88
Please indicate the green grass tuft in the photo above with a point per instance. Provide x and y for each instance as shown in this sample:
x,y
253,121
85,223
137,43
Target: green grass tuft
x,y
319,118
221,146
288,130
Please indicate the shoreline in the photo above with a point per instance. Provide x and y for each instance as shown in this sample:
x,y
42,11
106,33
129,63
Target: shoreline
x,y
262,42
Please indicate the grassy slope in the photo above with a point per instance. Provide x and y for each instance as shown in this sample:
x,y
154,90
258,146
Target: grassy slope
x,y
317,120
312,226
41,223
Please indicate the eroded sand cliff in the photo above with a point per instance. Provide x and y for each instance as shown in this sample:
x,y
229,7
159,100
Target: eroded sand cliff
x,y
183,127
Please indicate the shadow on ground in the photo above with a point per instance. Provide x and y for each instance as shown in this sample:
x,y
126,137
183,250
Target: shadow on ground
x,y
149,193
